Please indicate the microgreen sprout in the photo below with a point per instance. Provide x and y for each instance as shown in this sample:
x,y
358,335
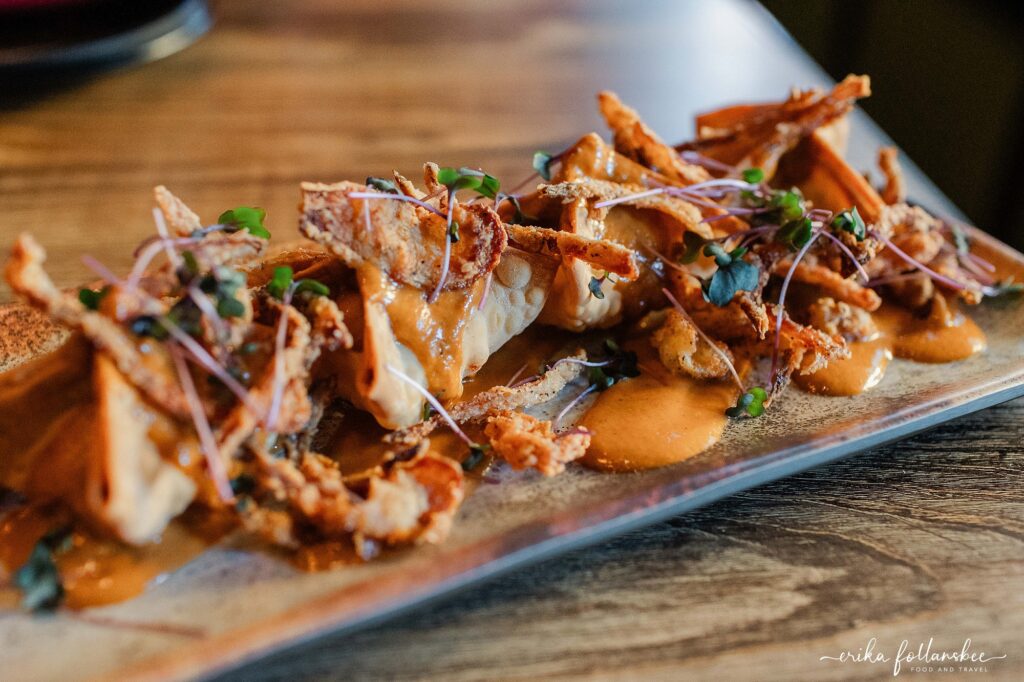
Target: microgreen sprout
x,y
475,456
39,578
247,218
91,299
382,185
850,221
750,403
753,175
281,282
733,275
542,162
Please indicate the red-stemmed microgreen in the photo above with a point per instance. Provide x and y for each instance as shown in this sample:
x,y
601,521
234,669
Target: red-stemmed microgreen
x,y
780,309
476,450
207,443
942,279
698,159
282,287
396,197
164,325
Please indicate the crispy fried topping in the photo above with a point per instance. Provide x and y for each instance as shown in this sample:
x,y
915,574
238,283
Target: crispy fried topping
x,y
526,442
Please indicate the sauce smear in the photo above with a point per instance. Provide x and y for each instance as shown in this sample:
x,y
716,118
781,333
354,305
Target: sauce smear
x,y
655,419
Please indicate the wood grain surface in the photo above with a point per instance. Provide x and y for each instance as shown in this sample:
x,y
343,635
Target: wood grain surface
x,y
923,539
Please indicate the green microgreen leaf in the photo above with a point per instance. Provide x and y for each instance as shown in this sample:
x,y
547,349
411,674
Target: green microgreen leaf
x,y
475,456
795,234
382,185
751,403
693,244
850,221
428,412
595,287
38,578
246,218
718,252
230,307
280,281
311,286
542,164
447,176
453,232
753,175
736,275
91,299
243,484
790,205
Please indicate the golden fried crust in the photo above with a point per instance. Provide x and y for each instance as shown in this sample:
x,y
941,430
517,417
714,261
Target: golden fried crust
x,y
687,216
758,135
634,140
404,240
526,442
27,278
181,220
895,189
499,398
684,352
600,253
830,282
837,318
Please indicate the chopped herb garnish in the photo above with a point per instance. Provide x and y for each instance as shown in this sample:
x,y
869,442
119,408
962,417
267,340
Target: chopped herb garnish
x,y
751,403
189,267
38,579
475,456
453,232
248,348
595,287
542,164
753,175
311,286
850,221
382,185
733,274
795,233
428,412
91,299
246,218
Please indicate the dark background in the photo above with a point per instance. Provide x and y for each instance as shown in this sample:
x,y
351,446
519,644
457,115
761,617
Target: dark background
x,y
948,79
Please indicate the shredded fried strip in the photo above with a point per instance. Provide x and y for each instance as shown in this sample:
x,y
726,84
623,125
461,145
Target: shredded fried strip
x,y
600,253
527,442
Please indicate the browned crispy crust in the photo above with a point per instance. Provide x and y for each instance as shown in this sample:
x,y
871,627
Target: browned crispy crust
x,y
600,253
634,140
406,241
526,442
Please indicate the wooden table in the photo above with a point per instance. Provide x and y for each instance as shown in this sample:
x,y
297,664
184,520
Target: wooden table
x,y
924,539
